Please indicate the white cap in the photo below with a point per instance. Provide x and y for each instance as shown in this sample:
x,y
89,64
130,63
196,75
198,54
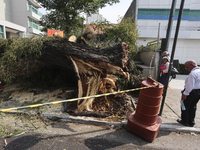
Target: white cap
x,y
165,53
166,58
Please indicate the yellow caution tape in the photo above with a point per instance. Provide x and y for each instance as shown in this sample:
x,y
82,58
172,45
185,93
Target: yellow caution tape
x,y
74,99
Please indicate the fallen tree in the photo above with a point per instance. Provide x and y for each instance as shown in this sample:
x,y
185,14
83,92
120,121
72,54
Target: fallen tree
x,y
94,68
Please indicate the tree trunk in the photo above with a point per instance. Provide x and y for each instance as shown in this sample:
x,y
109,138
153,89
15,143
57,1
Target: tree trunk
x,y
92,66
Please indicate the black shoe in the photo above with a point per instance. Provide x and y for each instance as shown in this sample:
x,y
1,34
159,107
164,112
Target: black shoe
x,y
183,123
191,124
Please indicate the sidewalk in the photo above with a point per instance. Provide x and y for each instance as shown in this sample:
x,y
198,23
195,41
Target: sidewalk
x,y
171,111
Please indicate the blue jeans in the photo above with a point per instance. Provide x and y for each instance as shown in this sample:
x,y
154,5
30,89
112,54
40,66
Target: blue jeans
x,y
163,79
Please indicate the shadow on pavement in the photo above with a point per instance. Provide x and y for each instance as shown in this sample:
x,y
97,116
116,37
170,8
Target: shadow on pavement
x,y
105,141
112,140
22,143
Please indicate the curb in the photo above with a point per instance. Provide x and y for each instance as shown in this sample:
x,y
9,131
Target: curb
x,y
171,127
83,120
178,128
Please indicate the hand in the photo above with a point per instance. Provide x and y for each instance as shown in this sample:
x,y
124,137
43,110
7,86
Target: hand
x,y
184,97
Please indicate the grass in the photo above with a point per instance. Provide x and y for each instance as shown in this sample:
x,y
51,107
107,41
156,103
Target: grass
x,y
7,130
13,125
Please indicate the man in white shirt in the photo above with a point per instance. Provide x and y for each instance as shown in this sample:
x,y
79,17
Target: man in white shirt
x,y
190,94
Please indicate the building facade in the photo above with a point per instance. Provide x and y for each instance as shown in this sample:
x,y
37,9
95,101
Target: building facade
x,y
93,18
149,14
19,18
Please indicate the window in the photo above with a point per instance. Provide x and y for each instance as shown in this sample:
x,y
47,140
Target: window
x,y
34,24
33,9
1,32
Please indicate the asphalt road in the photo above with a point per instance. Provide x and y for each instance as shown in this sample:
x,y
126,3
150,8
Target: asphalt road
x,y
71,136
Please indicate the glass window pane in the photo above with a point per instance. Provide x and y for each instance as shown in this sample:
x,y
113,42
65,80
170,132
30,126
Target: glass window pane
x,y
1,29
1,35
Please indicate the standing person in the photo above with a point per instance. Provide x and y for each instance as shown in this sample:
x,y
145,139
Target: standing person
x,y
164,70
166,54
190,94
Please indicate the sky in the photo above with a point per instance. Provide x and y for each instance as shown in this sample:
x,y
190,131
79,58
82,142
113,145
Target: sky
x,y
111,13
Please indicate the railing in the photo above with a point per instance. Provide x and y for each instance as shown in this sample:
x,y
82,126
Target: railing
x,y
35,26
40,28
33,9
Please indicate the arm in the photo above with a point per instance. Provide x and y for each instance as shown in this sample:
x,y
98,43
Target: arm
x,y
167,68
189,85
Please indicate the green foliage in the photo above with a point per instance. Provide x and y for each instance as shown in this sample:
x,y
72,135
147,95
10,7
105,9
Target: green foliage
x,y
99,39
68,15
123,84
19,55
47,78
100,26
127,32
150,47
134,69
3,45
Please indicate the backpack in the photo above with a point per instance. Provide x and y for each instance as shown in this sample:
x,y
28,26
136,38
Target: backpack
x,y
174,71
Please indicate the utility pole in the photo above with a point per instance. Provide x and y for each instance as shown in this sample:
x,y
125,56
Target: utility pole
x,y
169,28
168,35
172,54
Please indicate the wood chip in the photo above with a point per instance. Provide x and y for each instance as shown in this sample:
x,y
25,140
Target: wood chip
x,y
5,142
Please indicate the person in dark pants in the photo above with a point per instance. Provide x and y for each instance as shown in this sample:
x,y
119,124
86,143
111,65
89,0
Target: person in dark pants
x,y
190,94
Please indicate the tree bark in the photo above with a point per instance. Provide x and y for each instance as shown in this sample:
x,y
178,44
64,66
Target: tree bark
x,y
92,66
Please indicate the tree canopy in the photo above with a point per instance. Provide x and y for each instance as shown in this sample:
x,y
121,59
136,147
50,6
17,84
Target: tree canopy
x,y
66,14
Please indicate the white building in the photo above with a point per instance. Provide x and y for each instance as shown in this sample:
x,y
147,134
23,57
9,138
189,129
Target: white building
x,y
19,18
93,18
149,13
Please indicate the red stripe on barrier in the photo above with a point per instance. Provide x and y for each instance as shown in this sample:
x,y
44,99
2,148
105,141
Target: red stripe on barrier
x,y
2,86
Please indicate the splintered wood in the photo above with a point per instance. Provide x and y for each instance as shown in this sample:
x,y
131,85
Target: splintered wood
x,y
94,68
93,77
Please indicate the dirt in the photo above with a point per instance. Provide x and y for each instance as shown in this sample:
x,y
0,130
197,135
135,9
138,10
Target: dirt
x,y
113,108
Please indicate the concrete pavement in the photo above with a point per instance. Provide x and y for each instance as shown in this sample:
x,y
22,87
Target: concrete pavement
x,y
171,111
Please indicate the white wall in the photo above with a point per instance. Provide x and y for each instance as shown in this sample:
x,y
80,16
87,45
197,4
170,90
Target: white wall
x,y
192,4
5,10
188,43
19,12
21,15
186,49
